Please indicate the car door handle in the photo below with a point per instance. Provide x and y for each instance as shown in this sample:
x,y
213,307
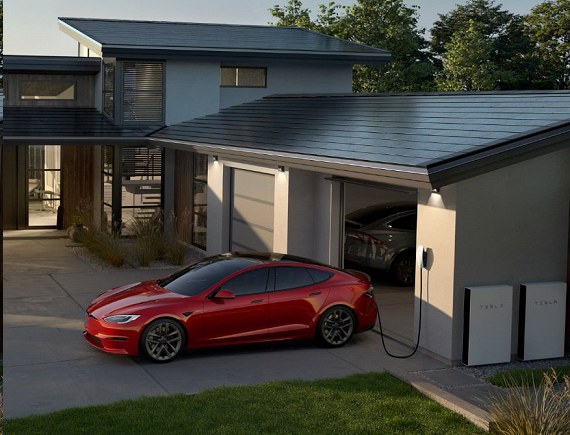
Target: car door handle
x,y
257,301
315,294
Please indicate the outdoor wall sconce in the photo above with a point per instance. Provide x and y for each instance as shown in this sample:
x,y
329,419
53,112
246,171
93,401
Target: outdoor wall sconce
x,y
215,158
281,168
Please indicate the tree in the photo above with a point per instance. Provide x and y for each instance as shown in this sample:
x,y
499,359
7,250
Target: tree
x,y
466,64
511,48
548,26
292,15
386,24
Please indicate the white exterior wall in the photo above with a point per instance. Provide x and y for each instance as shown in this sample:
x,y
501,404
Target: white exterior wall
x,y
512,227
306,208
505,227
291,78
192,90
436,232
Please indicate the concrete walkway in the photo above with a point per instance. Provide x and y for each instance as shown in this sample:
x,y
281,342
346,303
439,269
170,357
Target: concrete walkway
x,y
48,366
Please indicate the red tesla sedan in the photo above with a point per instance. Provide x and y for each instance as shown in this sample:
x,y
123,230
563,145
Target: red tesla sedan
x,y
231,299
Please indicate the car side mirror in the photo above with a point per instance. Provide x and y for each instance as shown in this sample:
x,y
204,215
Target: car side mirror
x,y
224,294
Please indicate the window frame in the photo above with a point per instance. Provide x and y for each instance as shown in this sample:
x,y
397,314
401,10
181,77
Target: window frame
x,y
237,85
73,84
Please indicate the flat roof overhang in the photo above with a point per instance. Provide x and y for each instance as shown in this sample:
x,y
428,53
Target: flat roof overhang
x,y
400,175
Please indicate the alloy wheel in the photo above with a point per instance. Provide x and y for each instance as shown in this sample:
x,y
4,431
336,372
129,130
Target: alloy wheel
x,y
163,340
337,326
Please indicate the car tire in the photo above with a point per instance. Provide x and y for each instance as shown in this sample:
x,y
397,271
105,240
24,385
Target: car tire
x,y
403,269
162,340
336,326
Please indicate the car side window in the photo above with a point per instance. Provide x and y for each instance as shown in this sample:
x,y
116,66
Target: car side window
x,y
319,275
290,277
404,223
249,282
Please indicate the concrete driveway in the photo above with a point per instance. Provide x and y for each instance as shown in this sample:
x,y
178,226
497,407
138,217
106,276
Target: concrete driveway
x,y
48,366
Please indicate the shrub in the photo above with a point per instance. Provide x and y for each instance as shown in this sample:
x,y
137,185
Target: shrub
x,y
106,246
175,250
148,233
532,409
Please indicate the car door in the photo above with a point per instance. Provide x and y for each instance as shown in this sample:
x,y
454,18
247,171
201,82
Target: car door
x,y
298,294
242,318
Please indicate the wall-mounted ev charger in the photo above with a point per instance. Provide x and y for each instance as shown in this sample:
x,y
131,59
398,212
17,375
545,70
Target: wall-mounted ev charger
x,y
421,257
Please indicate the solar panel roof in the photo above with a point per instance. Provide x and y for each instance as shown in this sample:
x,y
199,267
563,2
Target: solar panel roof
x,y
404,132
119,36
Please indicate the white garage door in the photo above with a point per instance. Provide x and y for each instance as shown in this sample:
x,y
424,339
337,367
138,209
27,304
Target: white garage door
x,y
252,211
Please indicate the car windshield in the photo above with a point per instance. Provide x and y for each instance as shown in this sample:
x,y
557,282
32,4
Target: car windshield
x,y
200,276
366,216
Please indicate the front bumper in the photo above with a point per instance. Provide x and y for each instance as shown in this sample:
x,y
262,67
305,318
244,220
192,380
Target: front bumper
x,y
120,341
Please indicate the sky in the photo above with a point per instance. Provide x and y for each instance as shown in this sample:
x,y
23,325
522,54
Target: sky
x,y
30,26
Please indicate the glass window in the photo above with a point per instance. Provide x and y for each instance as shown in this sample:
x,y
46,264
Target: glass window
x,y
143,86
48,90
249,282
290,277
319,275
243,77
200,204
200,276
109,87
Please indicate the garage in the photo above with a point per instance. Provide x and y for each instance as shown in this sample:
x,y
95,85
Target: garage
x,y
488,172
380,232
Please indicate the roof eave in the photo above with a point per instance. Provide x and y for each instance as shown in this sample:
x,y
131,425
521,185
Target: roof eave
x,y
401,175
508,153
379,58
80,37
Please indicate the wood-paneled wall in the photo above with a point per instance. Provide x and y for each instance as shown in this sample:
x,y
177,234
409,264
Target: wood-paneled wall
x,y
183,195
78,178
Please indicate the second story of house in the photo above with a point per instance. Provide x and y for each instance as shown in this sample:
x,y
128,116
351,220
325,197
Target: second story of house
x,y
157,73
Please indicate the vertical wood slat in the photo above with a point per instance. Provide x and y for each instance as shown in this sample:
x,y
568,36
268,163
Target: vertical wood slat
x,y
78,178
183,194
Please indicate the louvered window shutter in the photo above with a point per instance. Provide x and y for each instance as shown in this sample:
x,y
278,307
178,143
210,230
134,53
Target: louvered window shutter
x,y
143,93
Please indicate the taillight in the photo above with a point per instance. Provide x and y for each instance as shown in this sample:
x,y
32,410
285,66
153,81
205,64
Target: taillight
x,y
367,238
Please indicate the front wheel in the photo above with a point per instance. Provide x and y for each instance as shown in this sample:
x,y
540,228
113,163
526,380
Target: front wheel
x,y
162,340
336,326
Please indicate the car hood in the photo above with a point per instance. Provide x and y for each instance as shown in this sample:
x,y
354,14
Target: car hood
x,y
130,298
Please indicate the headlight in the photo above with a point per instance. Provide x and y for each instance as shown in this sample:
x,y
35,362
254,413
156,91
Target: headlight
x,y
121,318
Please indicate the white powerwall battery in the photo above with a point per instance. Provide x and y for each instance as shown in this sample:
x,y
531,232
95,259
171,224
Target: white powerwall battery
x,y
542,317
488,313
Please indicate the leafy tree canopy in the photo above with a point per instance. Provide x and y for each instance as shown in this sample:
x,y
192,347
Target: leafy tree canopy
x,y
386,24
548,26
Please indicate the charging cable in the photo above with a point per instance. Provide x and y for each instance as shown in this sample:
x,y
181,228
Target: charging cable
x,y
419,324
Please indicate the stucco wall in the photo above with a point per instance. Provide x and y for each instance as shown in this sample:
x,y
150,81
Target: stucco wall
x,y
505,227
512,227
192,90
291,78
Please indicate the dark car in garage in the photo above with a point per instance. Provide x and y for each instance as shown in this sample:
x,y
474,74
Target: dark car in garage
x,y
382,238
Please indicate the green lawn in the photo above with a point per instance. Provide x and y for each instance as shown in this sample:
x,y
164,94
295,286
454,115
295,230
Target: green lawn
x,y
375,403
518,377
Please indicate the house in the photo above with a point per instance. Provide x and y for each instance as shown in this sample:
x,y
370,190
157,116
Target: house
x,y
251,132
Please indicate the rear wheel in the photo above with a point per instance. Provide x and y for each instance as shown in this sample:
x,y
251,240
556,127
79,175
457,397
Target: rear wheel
x,y
162,340
403,270
336,326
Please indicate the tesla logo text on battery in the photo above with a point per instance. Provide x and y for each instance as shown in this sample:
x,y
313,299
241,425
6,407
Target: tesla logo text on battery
x,y
553,302
491,306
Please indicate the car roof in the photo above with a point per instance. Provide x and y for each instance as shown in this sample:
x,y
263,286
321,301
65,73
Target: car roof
x,y
272,257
